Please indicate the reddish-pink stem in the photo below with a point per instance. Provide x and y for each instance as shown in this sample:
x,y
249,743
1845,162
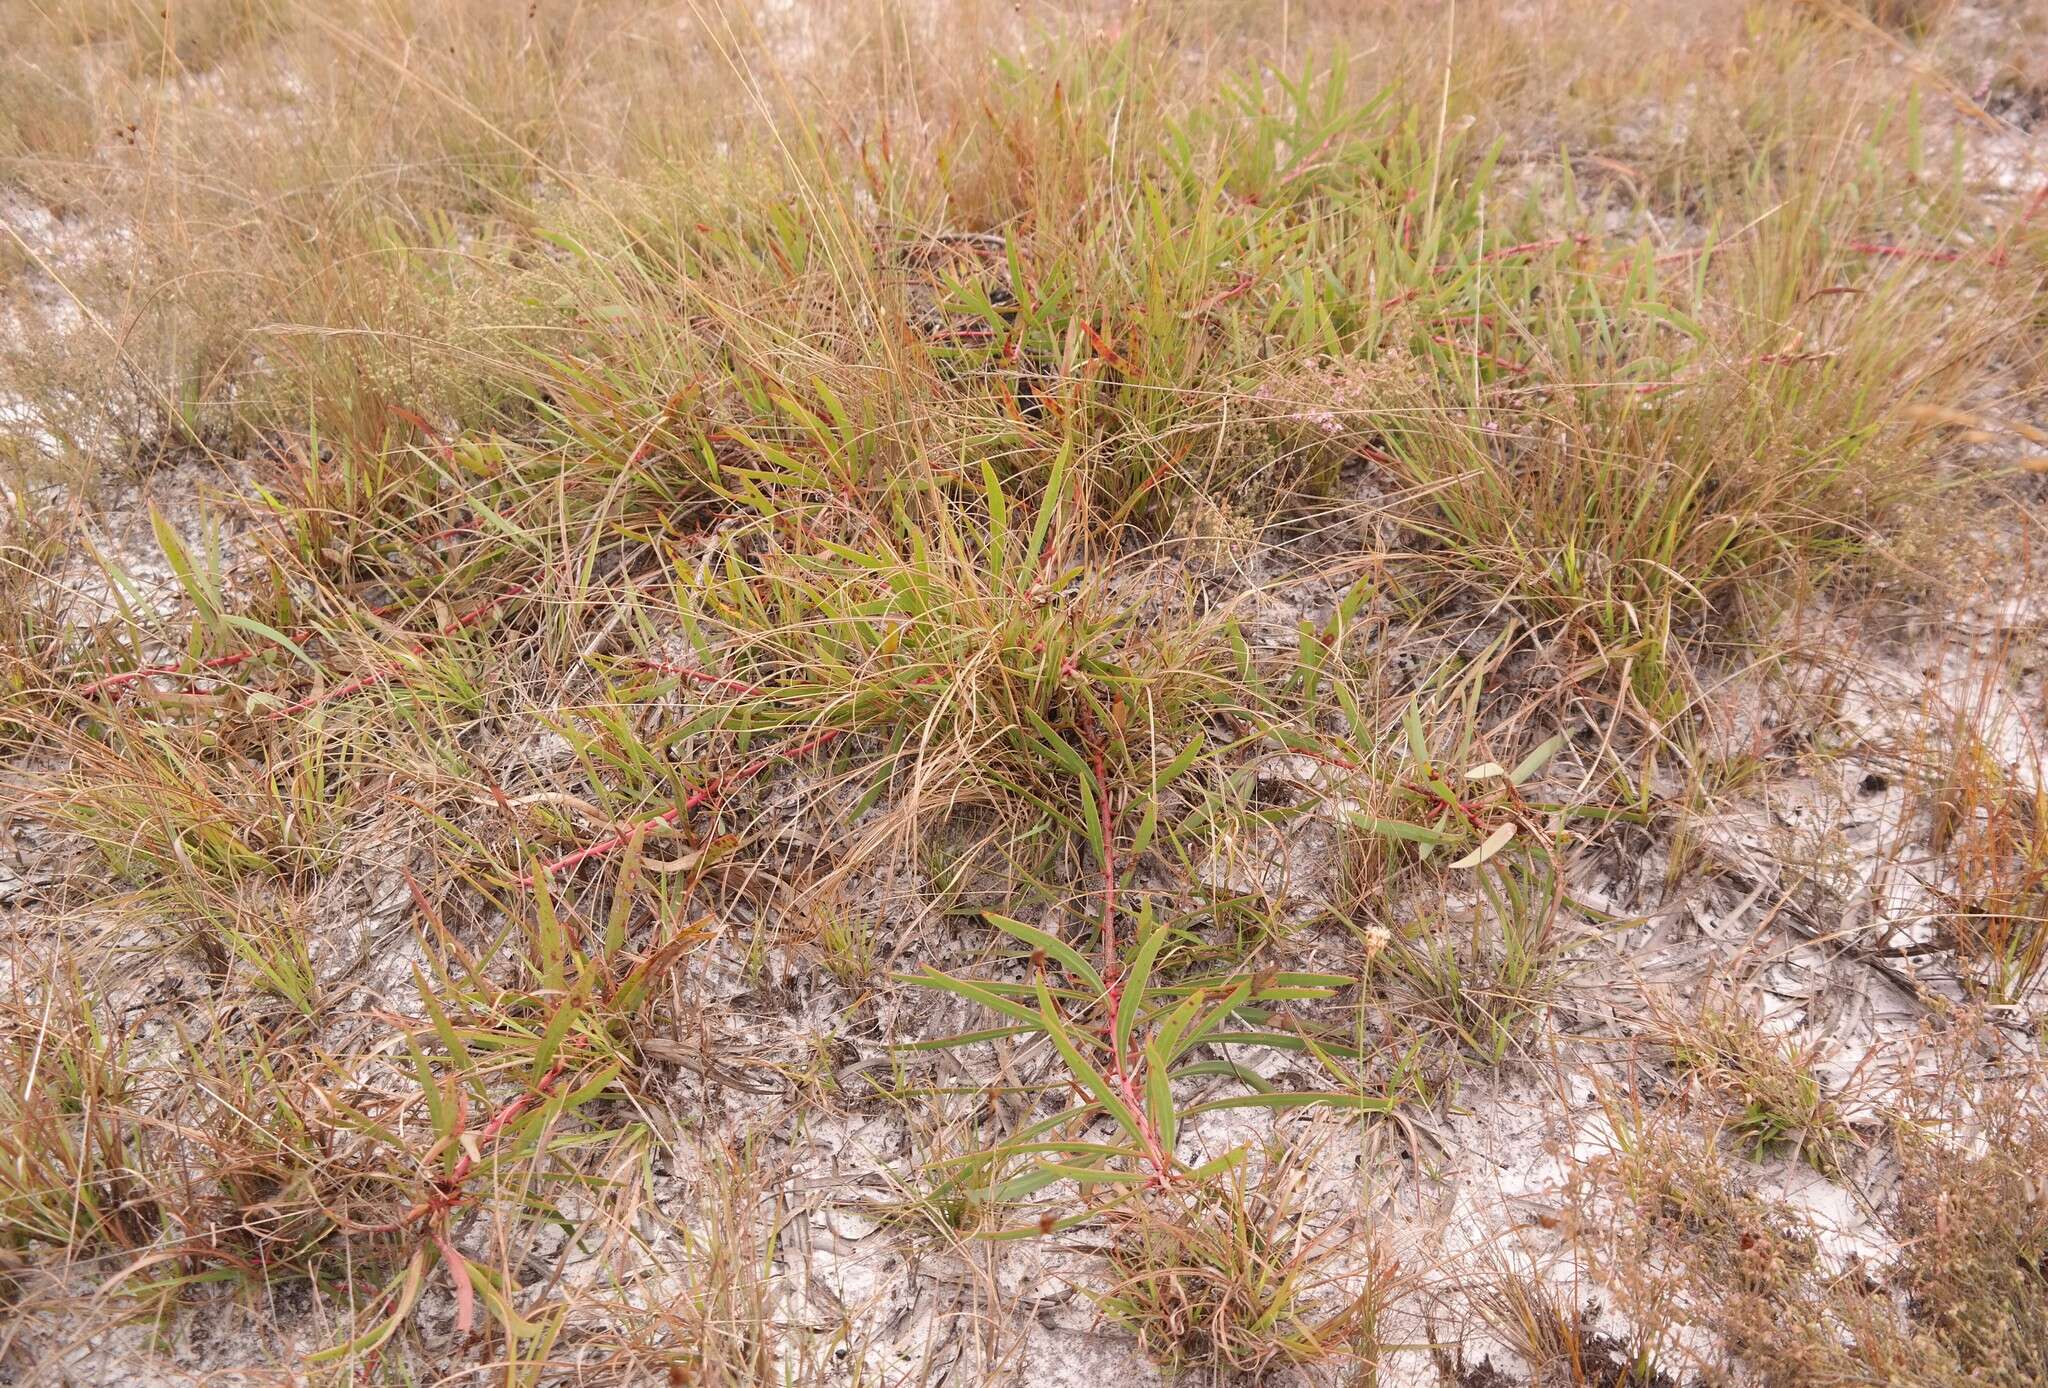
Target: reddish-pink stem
x,y
1512,367
113,683
703,677
378,676
703,795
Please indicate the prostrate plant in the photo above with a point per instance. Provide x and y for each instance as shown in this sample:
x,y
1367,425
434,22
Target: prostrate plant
x,y
1236,1275
1483,815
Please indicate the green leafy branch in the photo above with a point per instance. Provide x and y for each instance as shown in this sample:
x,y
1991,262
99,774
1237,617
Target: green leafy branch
x,y
1127,1044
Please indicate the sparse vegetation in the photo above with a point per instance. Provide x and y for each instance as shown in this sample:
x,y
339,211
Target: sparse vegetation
x,y
917,693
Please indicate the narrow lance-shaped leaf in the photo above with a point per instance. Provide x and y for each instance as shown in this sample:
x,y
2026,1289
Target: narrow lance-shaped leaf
x,y
1401,829
1495,842
1072,959
1159,1097
1132,999
1173,771
1047,506
998,515
932,978
1528,766
1299,1098
1091,1079
1064,753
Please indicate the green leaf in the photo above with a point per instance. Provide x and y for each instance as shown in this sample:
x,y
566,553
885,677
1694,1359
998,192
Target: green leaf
x,y
1177,1022
1347,609
1134,983
1093,1175
458,1054
1217,1015
551,1039
408,1286
1076,964
1029,1183
1401,829
1070,1150
998,514
1353,715
485,1283
1309,656
1299,1098
1418,743
1528,766
1233,1158
271,634
1159,1096
1279,1041
1148,824
1047,505
965,1038
200,586
1091,1078
932,978
1227,1069
1063,752
439,1111
1174,770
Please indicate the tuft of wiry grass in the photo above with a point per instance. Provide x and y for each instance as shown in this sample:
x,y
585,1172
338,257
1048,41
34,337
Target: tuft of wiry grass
x,y
1776,1099
1689,1246
1232,1278
75,1175
1992,827
1555,1336
1976,1239
1487,981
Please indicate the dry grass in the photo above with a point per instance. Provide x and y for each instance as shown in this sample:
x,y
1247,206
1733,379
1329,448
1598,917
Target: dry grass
x,y
1693,1246
688,692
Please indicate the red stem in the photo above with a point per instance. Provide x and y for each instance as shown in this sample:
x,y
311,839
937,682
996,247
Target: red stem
x,y
375,677
1107,815
121,681
703,795
448,1188
699,676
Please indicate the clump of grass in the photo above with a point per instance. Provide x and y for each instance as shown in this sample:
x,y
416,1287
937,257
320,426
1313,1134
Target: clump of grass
x,y
1729,471
160,813
1127,1039
1915,17
1783,1103
79,1172
1974,1226
1555,1337
1487,981
188,38
1689,1248
1993,829
729,1333
44,114
1230,1277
